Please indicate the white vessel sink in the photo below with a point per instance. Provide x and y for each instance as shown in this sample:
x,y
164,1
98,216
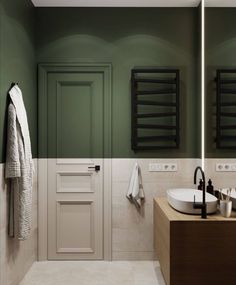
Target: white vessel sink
x,y
181,199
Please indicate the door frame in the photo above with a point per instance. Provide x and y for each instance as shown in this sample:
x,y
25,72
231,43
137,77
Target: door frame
x,y
43,70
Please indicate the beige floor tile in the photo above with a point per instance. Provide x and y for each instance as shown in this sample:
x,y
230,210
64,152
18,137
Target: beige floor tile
x,y
94,273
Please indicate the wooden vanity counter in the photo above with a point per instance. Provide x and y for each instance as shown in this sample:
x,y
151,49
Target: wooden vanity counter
x,y
194,251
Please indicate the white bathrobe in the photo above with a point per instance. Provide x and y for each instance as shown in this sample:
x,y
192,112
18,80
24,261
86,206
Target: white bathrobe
x,y
19,163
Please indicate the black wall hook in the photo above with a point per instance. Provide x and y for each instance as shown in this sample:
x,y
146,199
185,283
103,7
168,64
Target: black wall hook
x,y
13,84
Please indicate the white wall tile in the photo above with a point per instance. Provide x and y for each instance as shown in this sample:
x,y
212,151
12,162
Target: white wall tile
x,y
220,179
132,230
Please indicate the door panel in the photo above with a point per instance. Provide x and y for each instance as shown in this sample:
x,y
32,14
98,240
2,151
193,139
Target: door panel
x,y
75,190
79,182
69,214
75,120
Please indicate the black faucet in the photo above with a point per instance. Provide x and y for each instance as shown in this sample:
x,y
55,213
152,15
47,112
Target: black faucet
x,y
202,205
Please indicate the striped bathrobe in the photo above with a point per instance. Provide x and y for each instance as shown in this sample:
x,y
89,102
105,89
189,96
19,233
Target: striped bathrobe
x,y
19,164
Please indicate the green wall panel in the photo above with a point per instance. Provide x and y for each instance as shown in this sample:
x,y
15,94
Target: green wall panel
x,y
17,63
125,37
220,53
129,37
75,126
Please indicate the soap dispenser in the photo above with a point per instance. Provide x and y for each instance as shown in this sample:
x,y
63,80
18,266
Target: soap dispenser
x,y
210,188
200,186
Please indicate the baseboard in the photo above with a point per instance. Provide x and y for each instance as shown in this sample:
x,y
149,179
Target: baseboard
x,y
132,255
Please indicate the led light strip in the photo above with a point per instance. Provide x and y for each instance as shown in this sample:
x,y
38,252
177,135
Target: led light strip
x,y
203,84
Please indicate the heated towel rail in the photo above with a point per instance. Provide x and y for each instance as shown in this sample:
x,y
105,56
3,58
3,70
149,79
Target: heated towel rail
x,y
226,108
155,96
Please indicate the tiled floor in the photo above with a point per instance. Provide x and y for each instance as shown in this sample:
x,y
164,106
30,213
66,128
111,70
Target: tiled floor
x,y
94,273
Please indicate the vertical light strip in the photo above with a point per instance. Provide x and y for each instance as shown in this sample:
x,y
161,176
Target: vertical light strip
x,y
203,84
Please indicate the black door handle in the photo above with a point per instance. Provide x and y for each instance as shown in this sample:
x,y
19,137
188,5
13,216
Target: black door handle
x,y
96,168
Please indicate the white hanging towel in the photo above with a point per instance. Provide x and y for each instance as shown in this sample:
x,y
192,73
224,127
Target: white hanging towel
x,y
135,191
19,163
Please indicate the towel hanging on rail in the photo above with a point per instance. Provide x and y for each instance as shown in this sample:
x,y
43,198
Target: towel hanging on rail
x,y
19,163
135,191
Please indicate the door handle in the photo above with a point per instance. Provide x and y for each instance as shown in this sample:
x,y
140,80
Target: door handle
x,y
96,168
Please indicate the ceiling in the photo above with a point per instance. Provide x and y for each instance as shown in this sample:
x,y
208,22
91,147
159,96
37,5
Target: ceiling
x,y
220,3
132,3
116,3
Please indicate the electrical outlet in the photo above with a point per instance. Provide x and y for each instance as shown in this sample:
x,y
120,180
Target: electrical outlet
x,y
155,167
163,167
233,167
226,167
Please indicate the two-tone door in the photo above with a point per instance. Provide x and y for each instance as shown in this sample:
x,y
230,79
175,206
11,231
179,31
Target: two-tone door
x,y
75,167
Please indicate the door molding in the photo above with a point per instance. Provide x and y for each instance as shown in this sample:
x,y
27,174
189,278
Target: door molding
x,y
43,71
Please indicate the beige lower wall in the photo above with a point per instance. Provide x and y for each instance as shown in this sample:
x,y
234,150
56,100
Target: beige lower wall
x,y
220,179
132,231
16,257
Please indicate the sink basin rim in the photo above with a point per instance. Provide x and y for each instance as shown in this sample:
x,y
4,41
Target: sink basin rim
x,y
181,199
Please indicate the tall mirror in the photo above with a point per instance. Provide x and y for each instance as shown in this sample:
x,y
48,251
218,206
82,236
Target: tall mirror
x,y
220,92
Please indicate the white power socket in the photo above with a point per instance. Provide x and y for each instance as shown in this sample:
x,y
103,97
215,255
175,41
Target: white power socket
x,y
163,167
226,167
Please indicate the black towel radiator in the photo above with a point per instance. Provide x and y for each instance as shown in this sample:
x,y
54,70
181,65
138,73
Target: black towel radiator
x,y
158,90
226,108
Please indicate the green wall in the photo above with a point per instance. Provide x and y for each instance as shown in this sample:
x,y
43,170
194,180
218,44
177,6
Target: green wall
x,y
125,37
220,53
129,37
17,62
